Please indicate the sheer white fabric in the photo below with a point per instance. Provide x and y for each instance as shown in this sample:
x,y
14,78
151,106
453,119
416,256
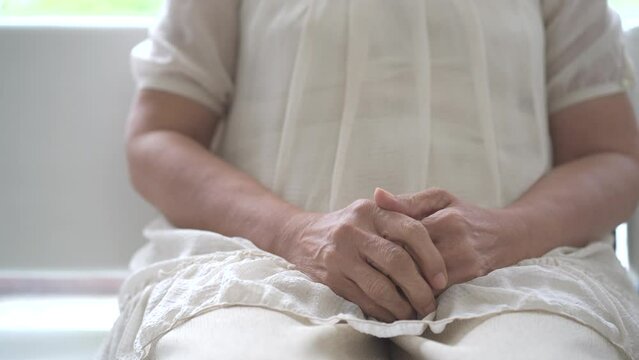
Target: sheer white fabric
x,y
584,58
322,101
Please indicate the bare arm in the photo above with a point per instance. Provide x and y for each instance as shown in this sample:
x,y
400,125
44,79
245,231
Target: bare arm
x,y
595,182
170,165
593,186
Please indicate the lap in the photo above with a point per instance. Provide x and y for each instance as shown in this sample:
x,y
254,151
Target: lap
x,y
241,332
513,335
249,333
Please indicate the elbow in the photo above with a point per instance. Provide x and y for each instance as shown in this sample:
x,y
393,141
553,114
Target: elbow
x,y
633,168
137,158
629,162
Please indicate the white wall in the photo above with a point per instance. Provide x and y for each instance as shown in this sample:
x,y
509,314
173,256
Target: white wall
x,y
65,200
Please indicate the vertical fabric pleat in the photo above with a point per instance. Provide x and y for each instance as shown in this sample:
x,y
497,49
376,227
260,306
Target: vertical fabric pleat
x,y
471,20
303,61
356,59
423,69
537,93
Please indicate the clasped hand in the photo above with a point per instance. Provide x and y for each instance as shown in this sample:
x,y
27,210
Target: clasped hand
x,y
393,255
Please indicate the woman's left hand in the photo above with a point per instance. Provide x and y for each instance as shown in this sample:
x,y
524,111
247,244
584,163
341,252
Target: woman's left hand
x,y
472,240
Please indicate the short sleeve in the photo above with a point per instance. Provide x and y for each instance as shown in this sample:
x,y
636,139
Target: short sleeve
x,y
191,51
585,55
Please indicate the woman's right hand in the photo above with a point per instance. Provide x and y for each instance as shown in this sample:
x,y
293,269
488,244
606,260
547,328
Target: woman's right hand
x,y
383,261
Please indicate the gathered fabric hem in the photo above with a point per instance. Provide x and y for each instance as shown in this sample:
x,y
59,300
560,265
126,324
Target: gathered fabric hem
x,y
586,285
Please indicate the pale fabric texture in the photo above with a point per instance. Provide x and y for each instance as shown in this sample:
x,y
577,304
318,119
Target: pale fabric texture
x,y
324,100
266,333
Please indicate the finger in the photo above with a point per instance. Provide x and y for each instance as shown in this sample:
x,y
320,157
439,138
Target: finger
x,y
418,205
434,227
447,241
444,225
393,260
350,291
380,289
412,235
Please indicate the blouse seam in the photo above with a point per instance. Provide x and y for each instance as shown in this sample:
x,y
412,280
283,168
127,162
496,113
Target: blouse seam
x,y
587,94
180,87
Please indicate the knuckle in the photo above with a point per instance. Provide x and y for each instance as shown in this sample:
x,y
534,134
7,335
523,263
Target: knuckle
x,y
413,201
396,257
453,217
343,230
378,289
412,227
456,215
441,197
362,206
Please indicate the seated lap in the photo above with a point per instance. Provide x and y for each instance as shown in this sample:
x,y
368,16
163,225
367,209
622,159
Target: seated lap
x,y
242,332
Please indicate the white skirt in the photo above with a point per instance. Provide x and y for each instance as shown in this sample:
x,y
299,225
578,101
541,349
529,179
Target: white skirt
x,y
184,273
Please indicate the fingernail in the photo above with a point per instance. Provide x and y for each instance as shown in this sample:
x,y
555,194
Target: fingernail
x,y
439,281
385,192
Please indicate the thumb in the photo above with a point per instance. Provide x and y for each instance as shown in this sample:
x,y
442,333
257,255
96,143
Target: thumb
x,y
418,205
390,202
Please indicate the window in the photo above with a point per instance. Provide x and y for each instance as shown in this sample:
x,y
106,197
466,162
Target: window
x,y
628,10
79,7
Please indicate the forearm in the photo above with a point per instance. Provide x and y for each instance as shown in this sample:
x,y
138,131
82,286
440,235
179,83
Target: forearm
x,y
195,189
577,202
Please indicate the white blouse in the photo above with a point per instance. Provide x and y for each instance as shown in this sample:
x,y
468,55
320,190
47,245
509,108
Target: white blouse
x,y
322,101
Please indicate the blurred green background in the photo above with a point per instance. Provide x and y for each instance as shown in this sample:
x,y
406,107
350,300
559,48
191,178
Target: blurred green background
x,y
144,7
79,7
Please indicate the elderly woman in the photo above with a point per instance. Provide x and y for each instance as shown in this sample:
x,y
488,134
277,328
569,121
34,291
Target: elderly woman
x,y
273,135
